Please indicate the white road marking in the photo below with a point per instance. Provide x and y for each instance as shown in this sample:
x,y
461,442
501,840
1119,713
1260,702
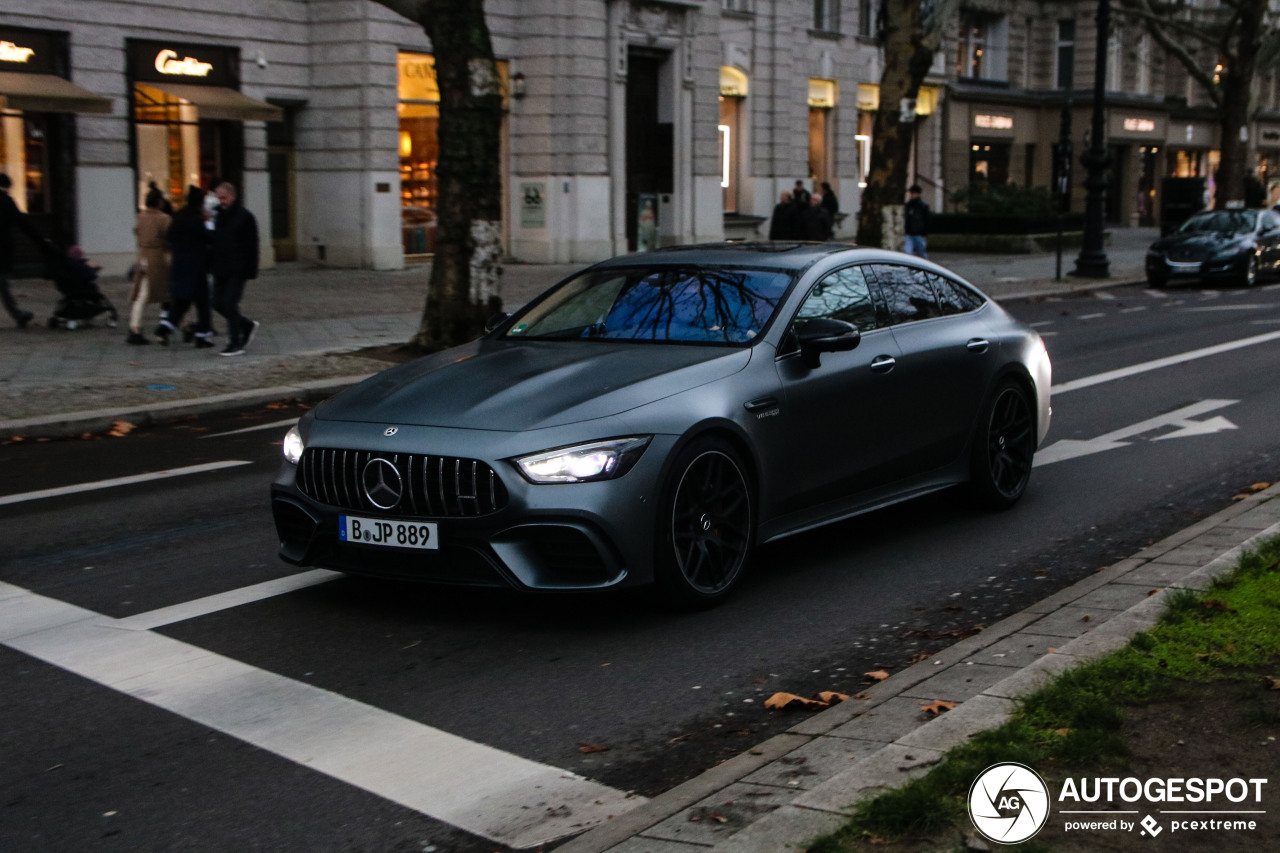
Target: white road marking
x,y
120,481
1133,309
226,600
1253,307
1168,361
287,422
1091,316
485,791
1156,294
1069,448
1103,295
1042,323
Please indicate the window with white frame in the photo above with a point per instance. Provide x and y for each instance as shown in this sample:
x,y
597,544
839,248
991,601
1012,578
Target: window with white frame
x,y
983,48
1142,65
1064,67
1115,63
826,15
738,5
867,18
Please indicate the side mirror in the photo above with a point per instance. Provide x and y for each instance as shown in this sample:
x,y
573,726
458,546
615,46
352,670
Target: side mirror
x,y
494,322
822,334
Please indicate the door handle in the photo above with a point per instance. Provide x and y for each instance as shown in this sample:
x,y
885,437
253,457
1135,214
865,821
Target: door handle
x,y
760,404
978,345
883,364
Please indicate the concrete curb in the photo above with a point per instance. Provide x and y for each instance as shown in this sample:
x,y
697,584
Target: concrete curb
x,y
883,735
98,420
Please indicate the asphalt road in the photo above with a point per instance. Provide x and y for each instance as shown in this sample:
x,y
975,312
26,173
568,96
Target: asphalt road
x,y
557,679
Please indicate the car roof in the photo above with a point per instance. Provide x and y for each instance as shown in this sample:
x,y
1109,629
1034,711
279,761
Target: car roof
x,y
790,256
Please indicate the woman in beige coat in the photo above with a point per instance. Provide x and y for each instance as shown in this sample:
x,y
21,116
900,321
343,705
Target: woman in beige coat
x,y
151,271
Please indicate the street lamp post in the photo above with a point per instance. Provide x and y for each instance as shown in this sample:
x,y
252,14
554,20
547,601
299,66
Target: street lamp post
x,y
1092,261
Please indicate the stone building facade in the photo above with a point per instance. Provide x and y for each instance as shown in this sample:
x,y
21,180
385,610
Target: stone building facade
x,y
628,123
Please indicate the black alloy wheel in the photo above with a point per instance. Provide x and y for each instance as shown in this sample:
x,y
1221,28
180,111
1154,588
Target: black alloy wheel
x,y
705,526
1004,447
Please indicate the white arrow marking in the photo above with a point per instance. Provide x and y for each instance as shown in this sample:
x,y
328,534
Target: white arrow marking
x,y
1182,419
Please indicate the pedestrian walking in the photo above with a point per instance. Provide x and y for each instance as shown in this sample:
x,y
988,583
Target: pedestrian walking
x,y
829,200
800,195
234,259
785,223
817,221
916,223
189,272
12,217
151,269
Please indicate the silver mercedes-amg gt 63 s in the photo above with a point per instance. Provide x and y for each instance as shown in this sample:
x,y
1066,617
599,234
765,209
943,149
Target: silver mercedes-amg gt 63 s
x,y
652,418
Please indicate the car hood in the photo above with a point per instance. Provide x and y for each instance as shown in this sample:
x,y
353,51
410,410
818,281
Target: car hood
x,y
523,385
1200,246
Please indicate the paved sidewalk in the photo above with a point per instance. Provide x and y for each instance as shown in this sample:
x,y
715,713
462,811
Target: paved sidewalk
x,y
806,782
54,382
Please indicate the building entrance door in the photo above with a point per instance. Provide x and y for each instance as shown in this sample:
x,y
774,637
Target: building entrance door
x,y
649,142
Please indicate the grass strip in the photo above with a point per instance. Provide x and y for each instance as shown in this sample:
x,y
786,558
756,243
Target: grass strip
x,y
1226,633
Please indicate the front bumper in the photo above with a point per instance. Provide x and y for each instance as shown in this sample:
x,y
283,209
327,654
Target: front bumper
x,y
1160,268
547,537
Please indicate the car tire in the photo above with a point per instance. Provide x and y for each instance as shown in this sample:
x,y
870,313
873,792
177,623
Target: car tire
x,y
705,526
1003,446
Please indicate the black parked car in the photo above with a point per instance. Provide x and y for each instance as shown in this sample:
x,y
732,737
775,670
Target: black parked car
x,y
1227,246
655,416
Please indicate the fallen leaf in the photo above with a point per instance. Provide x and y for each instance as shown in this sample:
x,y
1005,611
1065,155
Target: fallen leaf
x,y
831,697
1238,497
919,657
937,706
878,675
861,696
121,428
718,818
1273,683
779,701
16,439
1257,487
1086,618
1062,732
587,748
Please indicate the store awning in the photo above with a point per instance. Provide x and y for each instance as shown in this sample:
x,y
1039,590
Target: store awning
x,y
221,102
46,93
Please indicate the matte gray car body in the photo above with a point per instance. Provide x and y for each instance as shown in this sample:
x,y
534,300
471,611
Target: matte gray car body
x,y
907,410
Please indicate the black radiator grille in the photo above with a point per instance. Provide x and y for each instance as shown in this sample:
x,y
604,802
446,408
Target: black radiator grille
x,y
432,486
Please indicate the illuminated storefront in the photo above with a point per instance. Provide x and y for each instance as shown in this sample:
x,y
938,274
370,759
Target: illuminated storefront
x,y
419,149
37,129
187,116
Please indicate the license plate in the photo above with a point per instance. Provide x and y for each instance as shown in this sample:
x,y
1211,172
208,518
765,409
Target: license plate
x,y
391,534
1184,266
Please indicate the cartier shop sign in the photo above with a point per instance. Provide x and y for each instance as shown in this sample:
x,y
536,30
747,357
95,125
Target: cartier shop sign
x,y
173,62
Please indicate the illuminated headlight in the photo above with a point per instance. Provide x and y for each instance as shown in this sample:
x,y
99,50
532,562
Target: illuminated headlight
x,y
293,445
583,463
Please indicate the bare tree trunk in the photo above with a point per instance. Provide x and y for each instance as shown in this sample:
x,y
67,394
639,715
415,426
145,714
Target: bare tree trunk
x,y
909,42
463,290
1238,97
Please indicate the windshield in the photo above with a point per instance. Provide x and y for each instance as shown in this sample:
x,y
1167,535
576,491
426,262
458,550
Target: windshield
x,y
662,304
1221,222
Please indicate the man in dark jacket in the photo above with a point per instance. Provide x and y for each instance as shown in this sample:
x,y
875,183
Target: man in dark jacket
x,y
11,217
916,223
817,221
233,256
785,224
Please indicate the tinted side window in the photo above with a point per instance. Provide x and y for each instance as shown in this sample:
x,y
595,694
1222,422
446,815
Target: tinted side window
x,y
1270,219
842,295
907,293
954,297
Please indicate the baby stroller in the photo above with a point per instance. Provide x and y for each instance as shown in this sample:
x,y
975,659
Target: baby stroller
x,y
77,282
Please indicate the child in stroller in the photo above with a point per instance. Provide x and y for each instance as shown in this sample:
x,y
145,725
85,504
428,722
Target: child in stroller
x,y
77,282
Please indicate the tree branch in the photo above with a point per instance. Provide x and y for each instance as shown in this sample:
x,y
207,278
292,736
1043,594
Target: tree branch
x,y
1155,25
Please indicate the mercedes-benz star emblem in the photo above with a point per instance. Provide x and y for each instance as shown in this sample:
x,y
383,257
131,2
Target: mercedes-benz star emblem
x,y
390,431
382,483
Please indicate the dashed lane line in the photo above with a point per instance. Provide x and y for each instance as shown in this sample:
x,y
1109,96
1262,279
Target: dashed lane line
x,y
120,481
273,425
226,600
485,791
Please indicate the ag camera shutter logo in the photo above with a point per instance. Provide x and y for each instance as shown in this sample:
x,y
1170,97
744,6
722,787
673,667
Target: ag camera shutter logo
x,y
1008,803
